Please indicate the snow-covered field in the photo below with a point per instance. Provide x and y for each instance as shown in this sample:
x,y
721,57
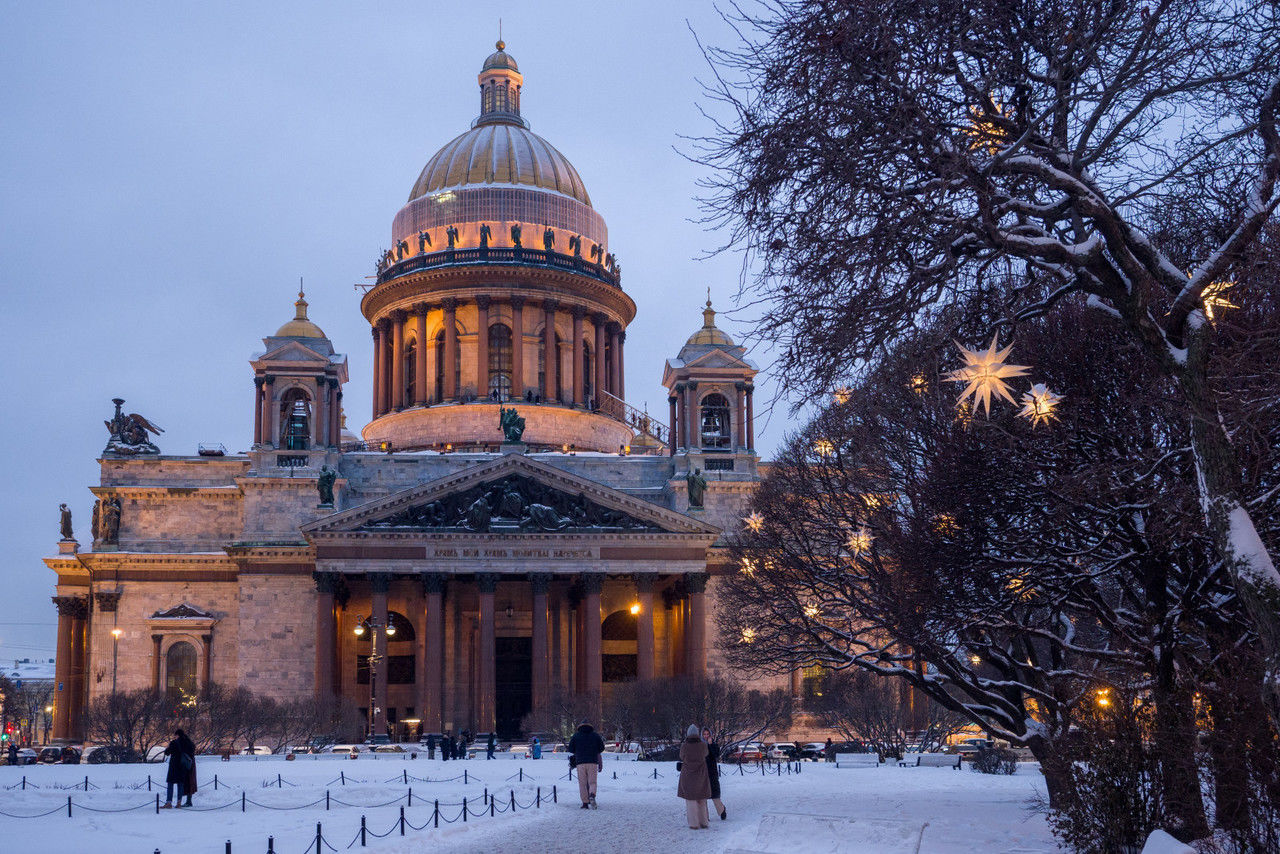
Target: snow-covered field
x,y
821,809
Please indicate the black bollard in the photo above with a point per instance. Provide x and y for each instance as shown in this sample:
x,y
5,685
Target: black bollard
x,y
241,801
435,814
406,777
513,800
554,798
271,845
411,796
86,782
24,779
279,782
464,810
402,821
319,840
492,808
326,800
157,803
342,775
68,806
464,777
215,782
521,775
228,851
24,783
615,775
363,830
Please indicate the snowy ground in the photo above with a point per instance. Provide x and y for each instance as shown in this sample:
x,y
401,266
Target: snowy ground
x,y
822,809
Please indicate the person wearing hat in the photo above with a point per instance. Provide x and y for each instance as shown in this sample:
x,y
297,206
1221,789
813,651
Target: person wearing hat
x,y
695,783
586,754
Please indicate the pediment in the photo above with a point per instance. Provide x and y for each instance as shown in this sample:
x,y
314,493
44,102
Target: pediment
x,y
511,495
719,359
292,351
185,611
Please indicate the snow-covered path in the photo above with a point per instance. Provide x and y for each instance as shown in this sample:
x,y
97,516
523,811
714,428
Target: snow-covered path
x,y
885,810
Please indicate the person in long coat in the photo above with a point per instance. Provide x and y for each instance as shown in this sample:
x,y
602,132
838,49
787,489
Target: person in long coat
x,y
180,762
713,772
695,783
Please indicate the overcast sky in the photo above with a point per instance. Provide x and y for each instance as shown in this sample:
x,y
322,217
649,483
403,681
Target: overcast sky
x,y
169,170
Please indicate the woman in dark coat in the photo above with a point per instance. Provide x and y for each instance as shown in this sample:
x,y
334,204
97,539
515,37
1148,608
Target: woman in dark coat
x,y
694,785
713,772
181,761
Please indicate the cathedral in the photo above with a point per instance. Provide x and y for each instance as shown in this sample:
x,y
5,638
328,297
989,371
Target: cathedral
x,y
506,527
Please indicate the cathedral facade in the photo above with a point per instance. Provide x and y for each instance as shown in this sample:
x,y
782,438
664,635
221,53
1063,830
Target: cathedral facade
x,y
505,528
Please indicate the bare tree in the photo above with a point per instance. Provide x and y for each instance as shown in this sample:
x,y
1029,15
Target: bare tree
x,y
881,160
865,706
134,720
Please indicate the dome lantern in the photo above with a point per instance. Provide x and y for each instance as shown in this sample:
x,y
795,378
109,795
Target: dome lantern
x,y
500,83
301,326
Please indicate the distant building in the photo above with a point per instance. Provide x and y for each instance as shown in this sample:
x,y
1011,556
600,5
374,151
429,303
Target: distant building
x,y
573,556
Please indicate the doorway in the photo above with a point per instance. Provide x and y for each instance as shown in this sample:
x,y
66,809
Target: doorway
x,y
513,669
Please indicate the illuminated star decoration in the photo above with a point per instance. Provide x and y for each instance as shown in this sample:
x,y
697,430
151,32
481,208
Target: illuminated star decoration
x,y
1215,297
823,447
859,542
754,521
748,635
748,567
1038,404
842,394
984,133
811,611
985,371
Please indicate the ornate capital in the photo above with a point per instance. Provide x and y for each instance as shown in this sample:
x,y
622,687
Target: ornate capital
x,y
613,327
540,581
696,582
644,581
433,582
333,382
326,582
268,379
72,606
449,304
599,318
579,312
399,316
375,331
384,324
420,309
550,305
740,386
669,598
592,582
483,301
622,336
750,388
672,400
108,600
379,582
487,582
517,302
259,381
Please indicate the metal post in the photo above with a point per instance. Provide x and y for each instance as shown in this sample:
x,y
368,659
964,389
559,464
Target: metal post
x,y
326,800
411,796
406,776
363,831
435,814
492,808
319,840
513,800
68,806
402,821
279,782
342,775
241,801
157,803
464,810
228,851
465,781
271,845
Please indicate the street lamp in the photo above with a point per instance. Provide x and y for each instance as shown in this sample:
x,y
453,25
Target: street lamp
x,y
373,624
115,654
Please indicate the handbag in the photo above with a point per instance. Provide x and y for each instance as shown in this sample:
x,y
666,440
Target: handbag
x,y
187,761
679,765
573,762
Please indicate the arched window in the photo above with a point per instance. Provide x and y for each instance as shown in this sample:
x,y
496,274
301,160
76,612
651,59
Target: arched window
x,y
410,371
295,420
715,422
587,364
618,646
180,673
499,385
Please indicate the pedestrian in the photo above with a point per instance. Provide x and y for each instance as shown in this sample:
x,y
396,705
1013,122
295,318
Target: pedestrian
x,y
586,754
13,753
827,752
713,772
491,746
460,746
446,746
695,784
431,746
190,747
176,775
535,749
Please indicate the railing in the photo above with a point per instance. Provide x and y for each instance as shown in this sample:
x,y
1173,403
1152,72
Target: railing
x,y
619,410
611,275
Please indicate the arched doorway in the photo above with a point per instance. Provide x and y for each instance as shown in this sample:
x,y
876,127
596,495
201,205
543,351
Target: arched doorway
x,y
397,671
180,674
618,635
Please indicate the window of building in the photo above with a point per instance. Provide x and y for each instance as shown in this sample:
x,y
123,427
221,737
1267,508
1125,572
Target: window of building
x,y
180,673
811,679
587,365
295,420
440,366
500,362
715,422
410,371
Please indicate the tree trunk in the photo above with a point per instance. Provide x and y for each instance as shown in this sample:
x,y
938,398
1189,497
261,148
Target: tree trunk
x,y
1056,777
1175,746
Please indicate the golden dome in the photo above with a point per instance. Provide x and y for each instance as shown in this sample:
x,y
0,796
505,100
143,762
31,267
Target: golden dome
x,y
500,154
709,335
499,59
300,326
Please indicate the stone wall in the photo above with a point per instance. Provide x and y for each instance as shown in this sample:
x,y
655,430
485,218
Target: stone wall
x,y
277,635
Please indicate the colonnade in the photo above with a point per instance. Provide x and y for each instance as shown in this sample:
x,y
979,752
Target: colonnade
x,y
71,667
685,416
393,334
325,400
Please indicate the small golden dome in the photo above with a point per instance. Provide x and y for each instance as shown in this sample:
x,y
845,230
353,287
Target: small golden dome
x,y
300,326
500,59
709,334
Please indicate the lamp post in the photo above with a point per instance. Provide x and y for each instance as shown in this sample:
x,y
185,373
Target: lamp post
x,y
115,654
373,624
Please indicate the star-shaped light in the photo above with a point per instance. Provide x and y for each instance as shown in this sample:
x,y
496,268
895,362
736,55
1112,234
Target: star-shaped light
x,y
984,133
1038,404
811,612
754,521
985,371
859,541
1214,298
748,567
842,394
748,635
823,447
919,383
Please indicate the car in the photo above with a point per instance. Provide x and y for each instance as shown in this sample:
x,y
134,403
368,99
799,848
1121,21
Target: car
x,y
622,747
387,748
519,751
814,751
156,754
782,751
28,756
661,753
256,750
752,751
111,753
51,755
343,748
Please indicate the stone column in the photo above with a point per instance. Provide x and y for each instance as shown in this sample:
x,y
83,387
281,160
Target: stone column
x,y
269,433
579,312
517,348
593,664
615,360
482,346
335,413
377,369
207,675
541,676
644,627
795,684
622,364
379,584
62,667
326,634
751,427
420,354
602,371
696,631
450,348
155,661
486,583
77,686
557,637
433,673
257,410
550,354
740,427
397,360
673,439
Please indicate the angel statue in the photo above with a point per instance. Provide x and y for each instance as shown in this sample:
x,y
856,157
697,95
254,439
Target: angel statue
x,y
515,235
129,433
511,423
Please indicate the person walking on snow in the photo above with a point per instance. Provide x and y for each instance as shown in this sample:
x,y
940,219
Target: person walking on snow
x,y
491,746
586,753
535,750
180,762
713,772
431,746
695,784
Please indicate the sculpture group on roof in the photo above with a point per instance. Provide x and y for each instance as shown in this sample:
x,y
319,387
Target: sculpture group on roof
x,y
129,433
596,253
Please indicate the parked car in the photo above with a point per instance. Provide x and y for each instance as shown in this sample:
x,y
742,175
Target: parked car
x,y
388,748
343,748
110,753
782,751
814,751
622,747
752,751
256,750
156,754
60,755
28,756
661,753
